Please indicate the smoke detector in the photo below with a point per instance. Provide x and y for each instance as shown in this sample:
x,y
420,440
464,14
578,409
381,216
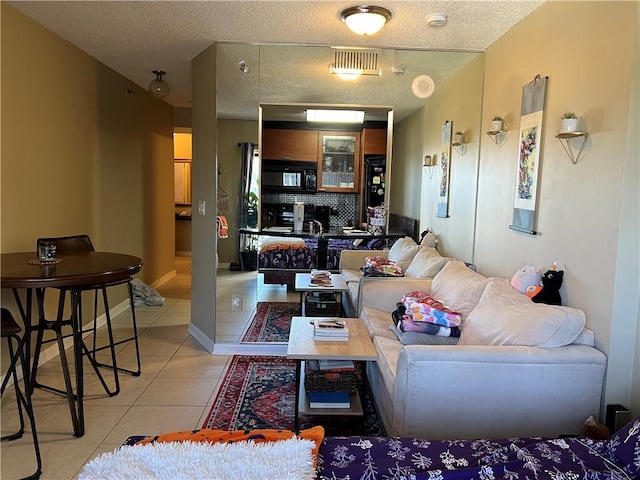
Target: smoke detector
x,y
423,86
436,19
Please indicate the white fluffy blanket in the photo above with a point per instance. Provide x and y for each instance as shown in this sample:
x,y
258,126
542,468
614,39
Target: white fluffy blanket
x,y
285,459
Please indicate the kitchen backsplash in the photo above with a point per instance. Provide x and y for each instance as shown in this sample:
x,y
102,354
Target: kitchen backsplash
x,y
347,204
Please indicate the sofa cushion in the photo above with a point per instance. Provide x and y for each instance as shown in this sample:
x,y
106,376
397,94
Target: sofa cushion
x,y
351,275
504,316
458,287
403,251
388,353
417,338
426,264
377,322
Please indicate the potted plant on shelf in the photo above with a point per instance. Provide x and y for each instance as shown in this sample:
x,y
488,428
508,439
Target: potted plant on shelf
x,y
496,124
458,138
251,210
249,253
569,122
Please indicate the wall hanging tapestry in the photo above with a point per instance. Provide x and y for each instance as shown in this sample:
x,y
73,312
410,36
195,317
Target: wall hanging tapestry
x,y
526,190
445,169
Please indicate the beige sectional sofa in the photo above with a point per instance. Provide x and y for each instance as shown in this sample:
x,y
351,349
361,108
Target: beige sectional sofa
x,y
519,368
415,260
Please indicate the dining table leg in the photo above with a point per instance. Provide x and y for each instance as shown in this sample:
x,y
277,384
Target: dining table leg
x,y
76,323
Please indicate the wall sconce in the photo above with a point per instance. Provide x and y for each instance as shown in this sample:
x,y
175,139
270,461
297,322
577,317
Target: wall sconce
x,y
428,163
158,88
365,19
459,143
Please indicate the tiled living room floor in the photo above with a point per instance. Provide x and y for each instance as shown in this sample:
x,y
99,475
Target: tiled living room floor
x,y
175,391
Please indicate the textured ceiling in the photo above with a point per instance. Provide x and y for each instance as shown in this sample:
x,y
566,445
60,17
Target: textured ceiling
x,y
134,38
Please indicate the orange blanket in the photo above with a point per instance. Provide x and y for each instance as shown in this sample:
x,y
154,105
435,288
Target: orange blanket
x,y
316,434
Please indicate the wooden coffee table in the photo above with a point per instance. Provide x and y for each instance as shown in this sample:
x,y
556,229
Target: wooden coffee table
x,y
303,285
302,346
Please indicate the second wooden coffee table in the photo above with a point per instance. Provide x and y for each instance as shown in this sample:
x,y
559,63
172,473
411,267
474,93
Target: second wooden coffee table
x,y
337,287
302,346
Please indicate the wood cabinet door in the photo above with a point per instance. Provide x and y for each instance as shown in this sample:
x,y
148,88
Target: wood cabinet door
x,y
286,144
374,141
339,161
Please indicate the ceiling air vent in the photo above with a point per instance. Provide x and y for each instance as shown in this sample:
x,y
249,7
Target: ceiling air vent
x,y
356,61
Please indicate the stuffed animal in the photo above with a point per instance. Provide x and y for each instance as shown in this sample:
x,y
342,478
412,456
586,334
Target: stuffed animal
x,y
550,292
527,276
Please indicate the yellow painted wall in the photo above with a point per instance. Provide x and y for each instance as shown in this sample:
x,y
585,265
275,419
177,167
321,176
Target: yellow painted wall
x,y
79,154
182,146
587,50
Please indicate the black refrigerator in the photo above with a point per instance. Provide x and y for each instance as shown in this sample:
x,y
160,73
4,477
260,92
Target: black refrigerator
x,y
374,180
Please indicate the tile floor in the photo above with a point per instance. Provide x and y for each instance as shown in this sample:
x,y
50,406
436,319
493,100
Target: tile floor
x,y
175,391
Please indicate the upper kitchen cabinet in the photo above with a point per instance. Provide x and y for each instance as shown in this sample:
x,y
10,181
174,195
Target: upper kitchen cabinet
x,y
288,144
374,141
339,161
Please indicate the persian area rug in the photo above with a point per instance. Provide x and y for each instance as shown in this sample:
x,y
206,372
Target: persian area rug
x,y
272,322
259,392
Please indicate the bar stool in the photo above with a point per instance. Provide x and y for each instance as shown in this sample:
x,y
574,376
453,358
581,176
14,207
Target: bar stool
x,y
79,244
10,331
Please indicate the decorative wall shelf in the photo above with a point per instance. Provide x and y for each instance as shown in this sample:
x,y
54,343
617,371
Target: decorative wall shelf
x,y
564,138
461,148
498,136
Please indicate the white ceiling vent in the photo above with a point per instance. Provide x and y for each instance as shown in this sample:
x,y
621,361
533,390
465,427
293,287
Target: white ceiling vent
x,y
356,60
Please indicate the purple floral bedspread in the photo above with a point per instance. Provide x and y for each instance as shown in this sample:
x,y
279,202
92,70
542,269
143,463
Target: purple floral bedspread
x,y
306,258
386,458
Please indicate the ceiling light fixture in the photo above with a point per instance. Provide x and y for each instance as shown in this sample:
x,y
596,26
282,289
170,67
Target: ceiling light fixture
x,y
335,116
365,19
436,19
158,87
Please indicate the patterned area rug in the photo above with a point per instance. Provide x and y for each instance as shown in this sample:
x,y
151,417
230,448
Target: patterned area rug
x,y
259,392
272,322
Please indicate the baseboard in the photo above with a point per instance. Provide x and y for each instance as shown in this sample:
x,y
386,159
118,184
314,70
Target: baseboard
x,y
200,337
164,279
183,254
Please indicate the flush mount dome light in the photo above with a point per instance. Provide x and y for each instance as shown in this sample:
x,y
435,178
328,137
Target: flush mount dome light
x,y
365,19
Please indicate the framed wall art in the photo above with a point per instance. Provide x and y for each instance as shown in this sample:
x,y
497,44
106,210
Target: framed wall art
x,y
529,156
445,170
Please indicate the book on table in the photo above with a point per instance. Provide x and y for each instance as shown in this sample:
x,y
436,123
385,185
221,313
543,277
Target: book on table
x,y
321,278
329,400
336,365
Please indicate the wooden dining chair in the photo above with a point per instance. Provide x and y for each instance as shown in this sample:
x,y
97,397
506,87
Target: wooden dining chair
x,y
78,244
11,331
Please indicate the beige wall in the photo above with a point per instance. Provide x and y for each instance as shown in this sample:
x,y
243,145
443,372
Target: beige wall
x,y
230,133
587,50
204,189
79,155
458,100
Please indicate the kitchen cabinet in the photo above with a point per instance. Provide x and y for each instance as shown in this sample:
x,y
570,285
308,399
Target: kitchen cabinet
x,y
374,141
339,161
288,144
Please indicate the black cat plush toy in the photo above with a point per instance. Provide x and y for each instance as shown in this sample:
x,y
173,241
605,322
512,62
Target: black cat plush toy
x,y
550,292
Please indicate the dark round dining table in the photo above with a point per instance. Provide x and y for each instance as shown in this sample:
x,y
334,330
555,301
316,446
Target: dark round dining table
x,y
23,271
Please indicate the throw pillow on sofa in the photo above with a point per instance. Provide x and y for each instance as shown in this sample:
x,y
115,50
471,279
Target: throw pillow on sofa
x,y
458,287
504,316
403,251
426,264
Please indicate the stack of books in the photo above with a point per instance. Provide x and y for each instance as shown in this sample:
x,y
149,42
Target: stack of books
x,y
334,330
329,400
320,278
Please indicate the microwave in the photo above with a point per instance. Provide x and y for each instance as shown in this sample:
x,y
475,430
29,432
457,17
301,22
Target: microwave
x,y
285,176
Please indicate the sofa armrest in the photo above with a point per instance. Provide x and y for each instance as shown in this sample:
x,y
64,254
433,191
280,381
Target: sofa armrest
x,y
382,293
354,259
496,392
